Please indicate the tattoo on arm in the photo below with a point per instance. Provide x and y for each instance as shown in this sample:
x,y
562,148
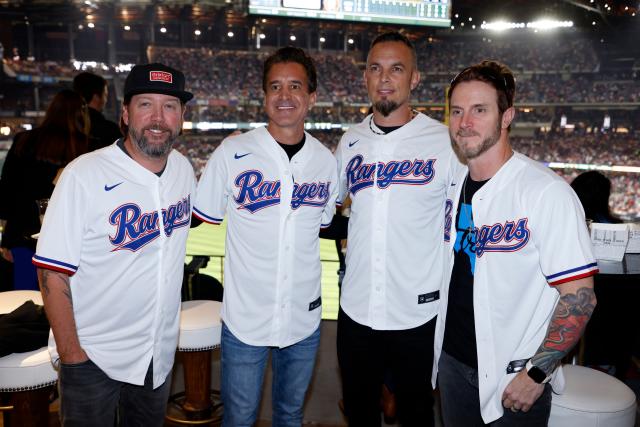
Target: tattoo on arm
x,y
565,329
44,283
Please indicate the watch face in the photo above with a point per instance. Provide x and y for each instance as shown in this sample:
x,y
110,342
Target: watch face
x,y
537,374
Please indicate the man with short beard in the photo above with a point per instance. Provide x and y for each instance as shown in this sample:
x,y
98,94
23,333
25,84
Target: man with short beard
x,y
110,260
519,287
396,166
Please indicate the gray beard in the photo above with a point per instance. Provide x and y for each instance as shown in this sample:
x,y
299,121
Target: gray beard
x,y
154,151
385,107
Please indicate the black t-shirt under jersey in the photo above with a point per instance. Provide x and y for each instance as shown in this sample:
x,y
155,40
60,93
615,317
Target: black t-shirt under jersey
x,y
459,333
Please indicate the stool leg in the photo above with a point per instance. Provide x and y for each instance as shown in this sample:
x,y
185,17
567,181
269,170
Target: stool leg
x,y
197,382
30,408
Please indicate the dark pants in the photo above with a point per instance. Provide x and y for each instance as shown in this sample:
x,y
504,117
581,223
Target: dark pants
x,y
88,397
365,355
460,399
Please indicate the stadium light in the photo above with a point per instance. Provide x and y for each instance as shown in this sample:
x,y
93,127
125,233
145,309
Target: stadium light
x,y
91,25
127,28
262,36
163,30
197,32
230,34
549,24
322,40
350,41
292,37
502,25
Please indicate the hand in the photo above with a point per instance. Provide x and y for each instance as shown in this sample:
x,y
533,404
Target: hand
x,y
521,393
75,357
6,254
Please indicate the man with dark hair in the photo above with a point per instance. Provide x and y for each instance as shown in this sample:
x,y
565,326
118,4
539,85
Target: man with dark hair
x,y
396,166
95,91
277,186
519,287
110,261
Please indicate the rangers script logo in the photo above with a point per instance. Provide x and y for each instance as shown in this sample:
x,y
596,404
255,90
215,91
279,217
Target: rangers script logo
x,y
135,229
406,172
256,193
510,237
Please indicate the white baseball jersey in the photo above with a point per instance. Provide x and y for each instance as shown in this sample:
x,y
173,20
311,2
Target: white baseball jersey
x,y
531,236
275,208
120,232
398,184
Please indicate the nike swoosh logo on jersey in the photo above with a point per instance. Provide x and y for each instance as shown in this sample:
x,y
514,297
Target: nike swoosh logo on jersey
x,y
352,143
239,156
109,188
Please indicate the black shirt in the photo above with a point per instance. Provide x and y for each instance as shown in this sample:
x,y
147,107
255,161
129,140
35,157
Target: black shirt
x,y
291,150
103,132
460,334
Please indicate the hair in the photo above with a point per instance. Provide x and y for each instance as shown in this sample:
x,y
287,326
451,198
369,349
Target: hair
x,y
593,189
64,132
89,84
295,55
494,73
394,36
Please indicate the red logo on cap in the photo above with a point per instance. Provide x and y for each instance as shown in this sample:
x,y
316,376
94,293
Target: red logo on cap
x,y
160,76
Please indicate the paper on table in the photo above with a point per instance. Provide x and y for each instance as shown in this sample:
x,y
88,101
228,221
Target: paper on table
x,y
633,247
609,240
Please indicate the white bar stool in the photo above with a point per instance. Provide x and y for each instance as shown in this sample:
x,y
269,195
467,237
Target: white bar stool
x,y
200,332
26,378
592,399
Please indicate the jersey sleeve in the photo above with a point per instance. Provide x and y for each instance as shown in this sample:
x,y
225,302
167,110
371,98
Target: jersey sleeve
x,y
60,241
560,233
342,189
330,206
212,192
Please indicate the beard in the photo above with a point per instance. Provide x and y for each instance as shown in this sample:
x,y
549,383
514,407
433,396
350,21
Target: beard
x,y
473,151
153,150
385,107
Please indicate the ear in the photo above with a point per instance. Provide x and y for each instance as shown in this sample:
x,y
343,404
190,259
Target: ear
x,y
415,79
313,97
507,117
125,114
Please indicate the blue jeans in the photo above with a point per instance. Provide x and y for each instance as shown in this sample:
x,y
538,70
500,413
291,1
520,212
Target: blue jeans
x,y
243,368
88,397
460,399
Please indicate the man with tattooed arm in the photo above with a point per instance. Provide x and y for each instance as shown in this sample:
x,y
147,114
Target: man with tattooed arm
x,y
110,261
520,291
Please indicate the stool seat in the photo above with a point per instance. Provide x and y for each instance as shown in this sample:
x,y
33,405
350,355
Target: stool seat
x,y
592,398
27,371
200,325
26,378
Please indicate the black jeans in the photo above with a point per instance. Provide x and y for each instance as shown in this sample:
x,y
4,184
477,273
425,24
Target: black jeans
x,y
88,397
366,355
460,399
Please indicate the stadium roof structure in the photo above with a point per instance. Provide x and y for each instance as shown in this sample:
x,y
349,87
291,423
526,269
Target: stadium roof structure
x,y
582,12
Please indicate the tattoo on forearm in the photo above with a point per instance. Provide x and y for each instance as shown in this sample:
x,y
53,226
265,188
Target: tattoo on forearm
x,y
565,329
44,286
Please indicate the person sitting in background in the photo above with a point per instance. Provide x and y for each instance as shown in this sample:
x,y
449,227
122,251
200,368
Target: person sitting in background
x,y
29,173
593,190
95,92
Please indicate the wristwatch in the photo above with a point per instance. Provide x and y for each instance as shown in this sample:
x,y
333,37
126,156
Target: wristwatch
x,y
536,374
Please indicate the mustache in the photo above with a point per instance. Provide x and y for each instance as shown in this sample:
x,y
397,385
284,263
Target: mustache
x,y
466,134
157,126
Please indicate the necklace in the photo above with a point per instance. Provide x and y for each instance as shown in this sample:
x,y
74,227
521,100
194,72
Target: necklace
x,y
414,113
469,211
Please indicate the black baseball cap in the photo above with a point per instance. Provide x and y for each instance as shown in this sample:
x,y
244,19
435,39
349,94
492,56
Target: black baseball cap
x,y
155,78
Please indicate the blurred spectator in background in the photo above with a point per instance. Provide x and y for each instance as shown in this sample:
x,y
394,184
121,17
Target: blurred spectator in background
x,y
29,173
95,92
593,190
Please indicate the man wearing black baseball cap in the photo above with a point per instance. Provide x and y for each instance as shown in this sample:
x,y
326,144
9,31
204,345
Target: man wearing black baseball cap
x,y
110,260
